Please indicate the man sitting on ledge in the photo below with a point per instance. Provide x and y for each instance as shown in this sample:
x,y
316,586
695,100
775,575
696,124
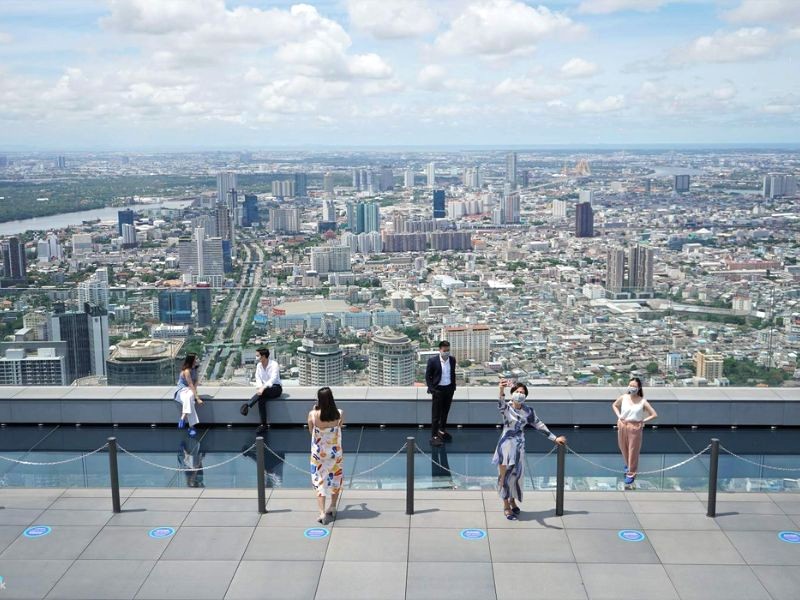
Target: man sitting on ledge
x,y
268,380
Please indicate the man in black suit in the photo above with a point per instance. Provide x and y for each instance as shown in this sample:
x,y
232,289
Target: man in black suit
x,y
440,376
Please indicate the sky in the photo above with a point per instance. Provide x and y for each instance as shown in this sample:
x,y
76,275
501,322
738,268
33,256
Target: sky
x,y
216,74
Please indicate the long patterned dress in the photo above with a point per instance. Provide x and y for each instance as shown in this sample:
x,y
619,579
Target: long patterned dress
x,y
327,458
511,446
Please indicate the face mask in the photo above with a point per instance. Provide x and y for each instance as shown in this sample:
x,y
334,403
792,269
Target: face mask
x,y
518,397
445,355
633,391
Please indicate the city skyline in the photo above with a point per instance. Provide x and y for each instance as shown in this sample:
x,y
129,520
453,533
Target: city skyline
x,y
360,73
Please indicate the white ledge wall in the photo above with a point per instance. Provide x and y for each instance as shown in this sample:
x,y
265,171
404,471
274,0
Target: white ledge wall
x,y
395,405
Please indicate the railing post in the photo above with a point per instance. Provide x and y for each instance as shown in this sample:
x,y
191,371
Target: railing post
x,y
261,466
410,446
113,473
561,459
713,469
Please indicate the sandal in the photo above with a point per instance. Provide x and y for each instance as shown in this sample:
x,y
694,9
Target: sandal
x,y
509,513
516,509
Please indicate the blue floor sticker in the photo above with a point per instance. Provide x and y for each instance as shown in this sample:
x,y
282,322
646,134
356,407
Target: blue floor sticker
x,y
791,537
161,532
473,534
316,533
37,531
631,535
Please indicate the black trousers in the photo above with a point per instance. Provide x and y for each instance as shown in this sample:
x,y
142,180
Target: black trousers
x,y
273,391
442,398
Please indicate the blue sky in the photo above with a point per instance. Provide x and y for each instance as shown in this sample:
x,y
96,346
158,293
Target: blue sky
x,y
128,74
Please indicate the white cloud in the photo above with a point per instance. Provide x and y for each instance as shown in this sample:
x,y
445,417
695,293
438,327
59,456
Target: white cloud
x,y
392,19
6,38
666,98
766,11
601,7
162,17
503,28
748,43
608,104
514,89
576,68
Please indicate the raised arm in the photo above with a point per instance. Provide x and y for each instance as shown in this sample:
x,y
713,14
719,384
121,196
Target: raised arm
x,y
501,401
616,406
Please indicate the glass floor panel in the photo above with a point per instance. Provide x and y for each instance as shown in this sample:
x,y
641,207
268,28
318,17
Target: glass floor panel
x,y
223,457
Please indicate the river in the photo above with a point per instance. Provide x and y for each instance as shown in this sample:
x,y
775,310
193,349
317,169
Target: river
x,y
60,221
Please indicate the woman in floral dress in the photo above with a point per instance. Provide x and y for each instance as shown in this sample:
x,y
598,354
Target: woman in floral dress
x,y
510,453
325,425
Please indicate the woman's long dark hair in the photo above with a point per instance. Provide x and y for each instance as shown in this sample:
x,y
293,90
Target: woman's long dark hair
x,y
189,361
326,405
640,393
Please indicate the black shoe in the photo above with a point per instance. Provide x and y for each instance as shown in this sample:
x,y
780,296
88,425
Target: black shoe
x,y
245,408
261,429
445,436
436,441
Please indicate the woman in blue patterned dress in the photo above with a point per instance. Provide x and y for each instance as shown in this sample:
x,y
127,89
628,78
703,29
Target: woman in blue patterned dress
x,y
510,453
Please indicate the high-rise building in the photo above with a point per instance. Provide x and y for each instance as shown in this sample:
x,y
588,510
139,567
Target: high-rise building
x,y
86,335
320,361
284,189
81,244
777,185
328,210
391,359
470,342
145,362
708,366
33,363
250,210
128,236
48,249
472,178
38,323
559,209
363,217
681,183
450,240
329,259
284,220
615,271
586,196
526,178
584,220
125,216
640,267
405,242
201,259
175,307
408,178
226,181
430,174
15,268
439,209
61,162
387,179
301,185
511,169
328,184
203,299
511,208
222,216
94,290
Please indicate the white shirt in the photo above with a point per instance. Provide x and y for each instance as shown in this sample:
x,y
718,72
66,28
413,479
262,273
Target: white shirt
x,y
445,380
269,375
630,410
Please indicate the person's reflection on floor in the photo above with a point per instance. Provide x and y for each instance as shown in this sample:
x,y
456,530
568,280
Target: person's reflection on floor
x,y
273,465
441,477
190,456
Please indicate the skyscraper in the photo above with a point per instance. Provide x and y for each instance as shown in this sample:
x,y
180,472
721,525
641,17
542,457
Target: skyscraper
x,y
328,184
203,298
86,335
387,179
439,209
681,183
15,268
201,259
469,342
408,178
320,361
430,174
123,217
584,220
363,217
511,169
559,208
615,271
284,220
640,267
226,181
329,210
128,236
250,210
511,208
777,185
283,189
94,290
175,307
223,219
391,359
301,184
586,196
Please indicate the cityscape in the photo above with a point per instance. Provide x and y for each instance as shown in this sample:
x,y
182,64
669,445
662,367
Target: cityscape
x,y
577,268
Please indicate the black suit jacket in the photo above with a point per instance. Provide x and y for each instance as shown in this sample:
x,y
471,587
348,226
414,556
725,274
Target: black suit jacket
x,y
433,372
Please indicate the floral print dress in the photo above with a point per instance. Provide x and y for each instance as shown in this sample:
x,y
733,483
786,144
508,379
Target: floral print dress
x,y
327,458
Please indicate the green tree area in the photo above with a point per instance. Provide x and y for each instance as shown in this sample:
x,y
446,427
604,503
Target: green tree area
x,y
22,199
746,372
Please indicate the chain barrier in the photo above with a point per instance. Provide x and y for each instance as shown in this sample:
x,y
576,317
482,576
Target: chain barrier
x,y
757,464
183,470
57,462
286,462
378,466
441,466
653,472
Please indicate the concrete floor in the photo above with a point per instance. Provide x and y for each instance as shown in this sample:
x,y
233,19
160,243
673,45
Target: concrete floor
x,y
222,548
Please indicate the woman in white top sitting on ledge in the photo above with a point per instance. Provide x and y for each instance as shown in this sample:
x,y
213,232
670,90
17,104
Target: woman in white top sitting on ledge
x,y
632,411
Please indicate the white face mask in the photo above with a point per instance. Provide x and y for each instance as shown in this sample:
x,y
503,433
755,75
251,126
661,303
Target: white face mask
x,y
444,354
633,391
518,397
